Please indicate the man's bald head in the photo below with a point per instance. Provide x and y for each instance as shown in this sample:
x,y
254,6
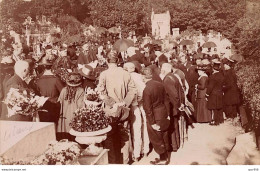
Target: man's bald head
x,y
129,66
21,68
167,67
131,51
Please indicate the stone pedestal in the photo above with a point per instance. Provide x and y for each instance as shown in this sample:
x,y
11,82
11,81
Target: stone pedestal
x,y
101,159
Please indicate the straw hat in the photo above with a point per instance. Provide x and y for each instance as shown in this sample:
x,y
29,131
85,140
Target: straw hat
x,y
216,61
74,79
88,72
205,62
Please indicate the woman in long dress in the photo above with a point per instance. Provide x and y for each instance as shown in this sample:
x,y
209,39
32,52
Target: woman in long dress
x,y
203,115
50,86
71,99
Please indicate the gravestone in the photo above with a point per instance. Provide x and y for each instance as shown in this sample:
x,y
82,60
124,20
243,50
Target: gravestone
x,y
25,140
175,32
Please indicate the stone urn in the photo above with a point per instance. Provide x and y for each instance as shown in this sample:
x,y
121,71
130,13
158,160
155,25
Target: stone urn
x,y
92,139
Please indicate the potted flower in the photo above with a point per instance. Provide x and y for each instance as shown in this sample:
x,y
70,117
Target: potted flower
x,y
89,124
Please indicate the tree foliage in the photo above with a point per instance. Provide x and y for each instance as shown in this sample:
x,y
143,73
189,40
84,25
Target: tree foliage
x,y
110,13
247,31
226,16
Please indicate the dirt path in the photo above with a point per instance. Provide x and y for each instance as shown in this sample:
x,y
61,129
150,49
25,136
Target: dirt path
x,y
205,145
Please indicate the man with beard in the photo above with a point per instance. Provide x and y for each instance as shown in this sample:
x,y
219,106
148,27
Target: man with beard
x,y
156,107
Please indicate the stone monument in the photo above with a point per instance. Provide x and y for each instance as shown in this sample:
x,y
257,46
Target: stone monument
x,y
161,24
175,32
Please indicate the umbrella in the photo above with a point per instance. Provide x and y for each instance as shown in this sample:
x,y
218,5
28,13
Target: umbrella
x,y
122,45
158,42
100,30
186,42
114,30
209,45
175,44
237,57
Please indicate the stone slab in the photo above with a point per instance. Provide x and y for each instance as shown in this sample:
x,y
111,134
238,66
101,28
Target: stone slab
x,y
25,140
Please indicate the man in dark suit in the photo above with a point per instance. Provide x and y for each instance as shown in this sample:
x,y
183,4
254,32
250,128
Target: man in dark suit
x,y
176,96
21,69
231,91
215,92
192,79
149,55
156,107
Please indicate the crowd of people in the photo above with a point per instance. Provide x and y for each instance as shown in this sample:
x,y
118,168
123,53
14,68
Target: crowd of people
x,y
166,90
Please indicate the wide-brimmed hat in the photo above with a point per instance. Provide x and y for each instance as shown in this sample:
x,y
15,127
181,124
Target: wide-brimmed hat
x,y
202,67
74,79
205,62
216,61
227,61
48,47
216,64
88,72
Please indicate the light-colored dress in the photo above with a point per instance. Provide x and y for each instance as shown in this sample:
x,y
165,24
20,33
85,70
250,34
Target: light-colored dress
x,y
67,109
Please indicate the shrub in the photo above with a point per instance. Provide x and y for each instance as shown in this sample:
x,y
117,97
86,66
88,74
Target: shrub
x,y
249,83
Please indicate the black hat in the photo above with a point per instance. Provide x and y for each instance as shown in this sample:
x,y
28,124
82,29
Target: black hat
x,y
216,64
157,48
48,47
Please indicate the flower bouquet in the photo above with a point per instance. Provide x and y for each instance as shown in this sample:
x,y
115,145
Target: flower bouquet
x,y
92,97
90,126
24,102
7,60
59,153
101,60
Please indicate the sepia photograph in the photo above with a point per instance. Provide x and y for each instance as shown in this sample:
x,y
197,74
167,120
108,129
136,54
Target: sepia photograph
x,y
129,83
